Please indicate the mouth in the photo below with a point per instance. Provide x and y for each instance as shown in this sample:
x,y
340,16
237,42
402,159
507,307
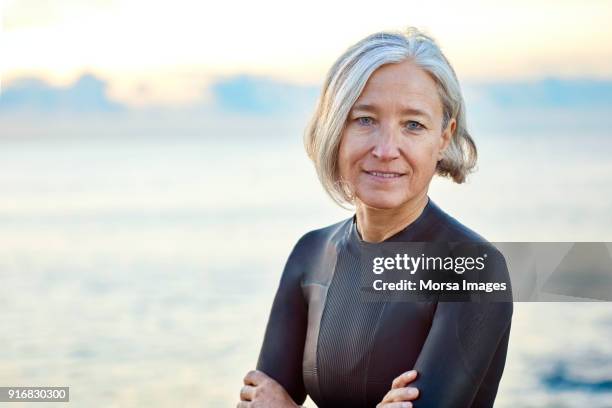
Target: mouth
x,y
384,175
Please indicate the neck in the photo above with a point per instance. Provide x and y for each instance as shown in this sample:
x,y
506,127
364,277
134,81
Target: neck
x,y
376,224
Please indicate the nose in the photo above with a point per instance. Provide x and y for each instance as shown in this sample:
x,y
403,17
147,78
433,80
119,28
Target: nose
x,y
386,144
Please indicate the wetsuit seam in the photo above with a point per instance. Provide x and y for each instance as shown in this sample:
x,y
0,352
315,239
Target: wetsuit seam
x,y
317,354
325,307
315,284
371,351
304,300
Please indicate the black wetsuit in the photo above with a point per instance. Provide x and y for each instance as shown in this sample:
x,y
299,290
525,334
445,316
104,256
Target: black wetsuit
x,y
321,340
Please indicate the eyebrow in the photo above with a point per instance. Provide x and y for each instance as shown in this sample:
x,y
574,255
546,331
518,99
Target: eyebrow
x,y
371,108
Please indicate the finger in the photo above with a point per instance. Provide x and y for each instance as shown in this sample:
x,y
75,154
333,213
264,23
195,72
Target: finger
x,y
404,404
254,377
401,394
404,379
247,393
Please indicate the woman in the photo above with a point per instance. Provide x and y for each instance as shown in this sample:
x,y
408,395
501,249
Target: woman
x,y
391,115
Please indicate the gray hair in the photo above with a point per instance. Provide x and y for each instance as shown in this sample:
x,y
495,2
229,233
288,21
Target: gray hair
x,y
344,83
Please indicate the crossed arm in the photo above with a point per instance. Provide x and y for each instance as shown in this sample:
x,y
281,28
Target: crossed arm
x,y
460,364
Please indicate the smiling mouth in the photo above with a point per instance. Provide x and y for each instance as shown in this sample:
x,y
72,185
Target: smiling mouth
x,y
384,174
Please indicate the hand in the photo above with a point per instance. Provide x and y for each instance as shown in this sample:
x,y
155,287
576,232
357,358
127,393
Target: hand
x,y
399,396
261,391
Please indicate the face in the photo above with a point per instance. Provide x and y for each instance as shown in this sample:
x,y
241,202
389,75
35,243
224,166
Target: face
x,y
393,137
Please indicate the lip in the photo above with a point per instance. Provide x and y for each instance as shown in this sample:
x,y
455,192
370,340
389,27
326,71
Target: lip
x,y
384,176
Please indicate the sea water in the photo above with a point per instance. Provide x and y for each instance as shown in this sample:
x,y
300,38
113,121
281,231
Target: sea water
x,y
140,272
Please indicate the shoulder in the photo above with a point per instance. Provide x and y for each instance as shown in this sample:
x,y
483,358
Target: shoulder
x,y
315,249
450,229
454,231
468,242
317,242
322,236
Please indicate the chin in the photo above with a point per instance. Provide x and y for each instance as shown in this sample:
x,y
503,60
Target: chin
x,y
381,201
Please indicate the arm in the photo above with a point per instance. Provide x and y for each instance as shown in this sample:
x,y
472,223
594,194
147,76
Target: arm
x,y
463,341
462,360
283,345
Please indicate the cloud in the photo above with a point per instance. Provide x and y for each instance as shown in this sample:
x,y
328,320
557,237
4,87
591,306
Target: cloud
x,y
87,94
235,105
544,106
251,94
549,93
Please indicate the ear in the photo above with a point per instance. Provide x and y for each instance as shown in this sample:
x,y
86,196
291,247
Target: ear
x,y
447,135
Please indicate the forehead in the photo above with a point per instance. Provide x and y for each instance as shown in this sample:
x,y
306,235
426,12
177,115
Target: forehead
x,y
403,86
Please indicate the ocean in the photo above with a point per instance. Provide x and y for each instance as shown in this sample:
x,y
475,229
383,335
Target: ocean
x,y
141,271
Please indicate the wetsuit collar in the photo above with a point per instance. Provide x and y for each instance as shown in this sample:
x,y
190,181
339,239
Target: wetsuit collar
x,y
414,232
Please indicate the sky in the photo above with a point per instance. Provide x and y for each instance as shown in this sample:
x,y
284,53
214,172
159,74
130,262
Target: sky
x,y
153,52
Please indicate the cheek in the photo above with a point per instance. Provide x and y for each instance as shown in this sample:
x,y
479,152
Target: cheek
x,y
422,159
343,161
350,152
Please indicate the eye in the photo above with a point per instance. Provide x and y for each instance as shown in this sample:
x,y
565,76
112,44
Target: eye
x,y
414,125
364,120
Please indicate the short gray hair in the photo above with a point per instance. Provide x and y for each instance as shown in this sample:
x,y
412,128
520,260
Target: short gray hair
x,y
344,83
